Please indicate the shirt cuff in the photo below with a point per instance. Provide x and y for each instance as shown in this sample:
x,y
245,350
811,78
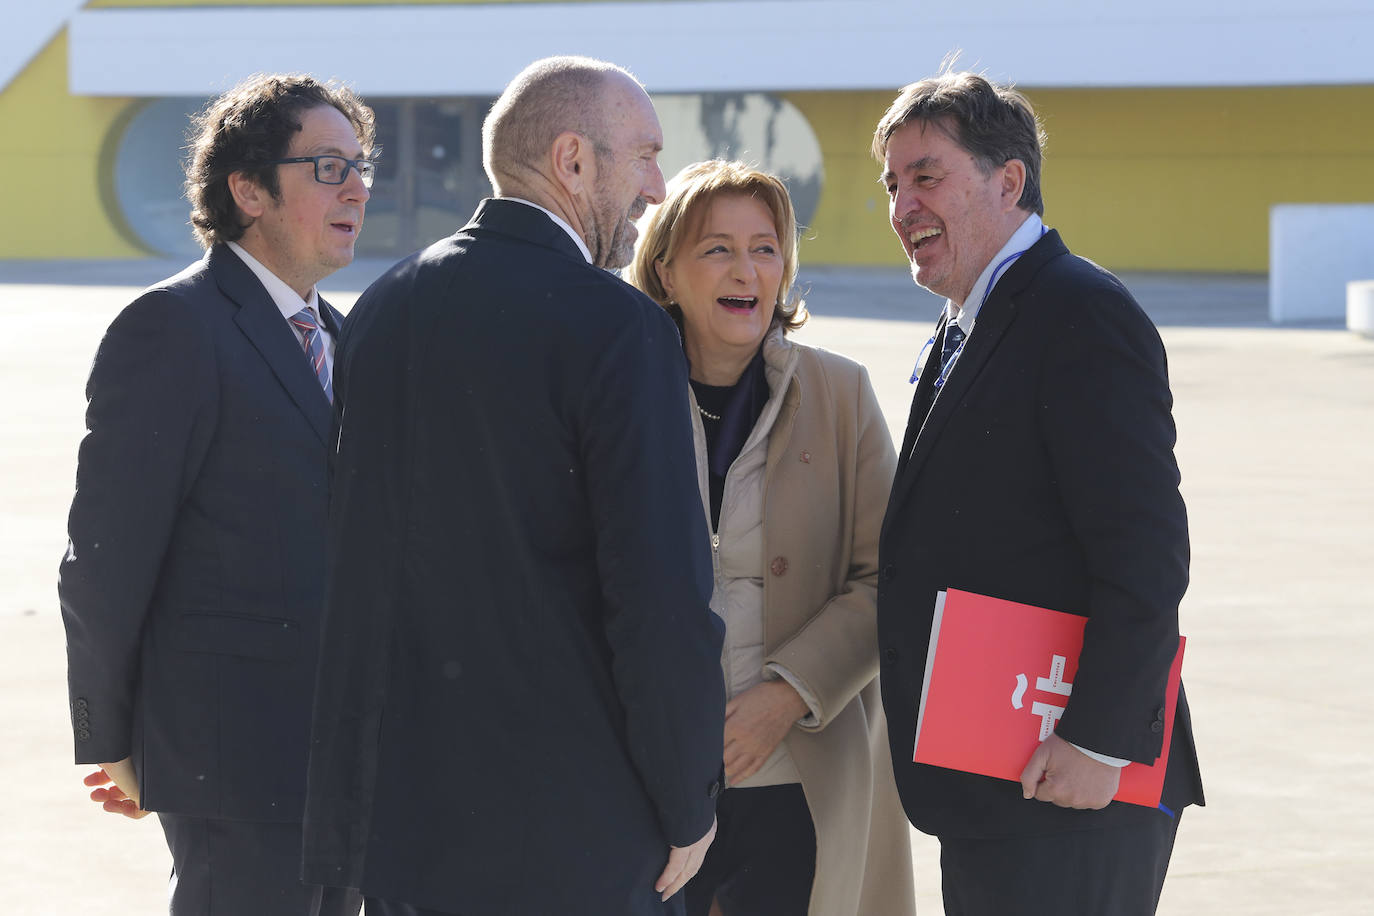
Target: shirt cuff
x,y
812,718
1102,758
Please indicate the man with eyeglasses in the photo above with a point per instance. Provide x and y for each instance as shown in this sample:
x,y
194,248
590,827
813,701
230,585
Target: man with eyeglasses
x,y
194,577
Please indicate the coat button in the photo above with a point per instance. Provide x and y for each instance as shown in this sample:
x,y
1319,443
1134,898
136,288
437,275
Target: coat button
x,y
83,735
1159,714
714,789
890,656
1156,727
81,703
778,566
889,573
806,457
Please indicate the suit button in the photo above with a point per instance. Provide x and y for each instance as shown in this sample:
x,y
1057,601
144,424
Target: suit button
x,y
778,566
1156,727
81,703
83,735
889,573
890,656
1159,714
714,788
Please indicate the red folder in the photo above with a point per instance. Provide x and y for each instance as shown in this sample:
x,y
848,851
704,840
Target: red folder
x,y
998,675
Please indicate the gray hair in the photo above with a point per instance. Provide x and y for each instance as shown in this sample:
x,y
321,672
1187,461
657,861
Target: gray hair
x,y
992,122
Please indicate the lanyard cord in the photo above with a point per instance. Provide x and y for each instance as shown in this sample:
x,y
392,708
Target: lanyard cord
x,y
945,369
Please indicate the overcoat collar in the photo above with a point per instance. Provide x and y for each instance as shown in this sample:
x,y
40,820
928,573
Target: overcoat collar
x,y
994,318
518,220
260,321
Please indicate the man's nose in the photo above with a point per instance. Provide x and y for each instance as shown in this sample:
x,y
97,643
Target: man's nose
x,y
906,205
655,189
354,188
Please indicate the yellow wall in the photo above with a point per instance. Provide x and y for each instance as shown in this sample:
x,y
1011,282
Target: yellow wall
x,y
56,166
1136,179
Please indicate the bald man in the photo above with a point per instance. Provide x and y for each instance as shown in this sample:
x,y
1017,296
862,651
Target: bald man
x,y
520,705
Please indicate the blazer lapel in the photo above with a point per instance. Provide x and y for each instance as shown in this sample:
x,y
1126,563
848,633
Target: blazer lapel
x,y
261,322
332,317
920,398
994,318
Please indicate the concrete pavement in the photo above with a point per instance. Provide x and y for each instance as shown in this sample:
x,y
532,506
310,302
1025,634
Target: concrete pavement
x,y
1276,445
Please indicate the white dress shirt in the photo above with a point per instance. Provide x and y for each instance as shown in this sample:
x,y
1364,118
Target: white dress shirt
x,y
289,302
582,246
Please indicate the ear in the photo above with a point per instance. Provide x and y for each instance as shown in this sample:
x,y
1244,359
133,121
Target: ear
x,y
250,197
665,277
1013,182
573,162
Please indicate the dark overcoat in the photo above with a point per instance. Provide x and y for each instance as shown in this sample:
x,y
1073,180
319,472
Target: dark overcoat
x,y
520,704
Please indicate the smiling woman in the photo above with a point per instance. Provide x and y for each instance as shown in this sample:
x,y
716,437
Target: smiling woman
x,y
793,464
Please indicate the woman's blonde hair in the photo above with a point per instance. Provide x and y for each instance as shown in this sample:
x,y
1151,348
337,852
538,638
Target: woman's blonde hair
x,y
689,194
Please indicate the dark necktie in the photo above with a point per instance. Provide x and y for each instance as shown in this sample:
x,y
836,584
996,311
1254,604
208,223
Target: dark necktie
x,y
954,336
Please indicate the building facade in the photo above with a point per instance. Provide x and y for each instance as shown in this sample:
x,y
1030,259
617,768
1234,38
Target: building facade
x,y
1172,129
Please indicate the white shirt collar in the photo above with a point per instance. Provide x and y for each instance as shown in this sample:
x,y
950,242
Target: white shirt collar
x,y
582,246
1021,240
287,300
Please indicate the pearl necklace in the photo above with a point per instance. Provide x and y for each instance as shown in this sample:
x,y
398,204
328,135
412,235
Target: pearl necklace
x,y
707,414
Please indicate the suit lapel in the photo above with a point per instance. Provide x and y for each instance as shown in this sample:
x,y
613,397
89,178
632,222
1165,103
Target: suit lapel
x,y
261,322
920,399
332,318
994,319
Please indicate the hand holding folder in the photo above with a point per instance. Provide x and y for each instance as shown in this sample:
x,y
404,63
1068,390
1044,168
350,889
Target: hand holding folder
x,y
998,675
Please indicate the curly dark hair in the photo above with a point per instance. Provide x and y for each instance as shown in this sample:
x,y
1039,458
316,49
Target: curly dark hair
x,y
246,127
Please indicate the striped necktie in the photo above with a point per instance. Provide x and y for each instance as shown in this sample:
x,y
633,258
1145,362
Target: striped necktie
x,y
313,341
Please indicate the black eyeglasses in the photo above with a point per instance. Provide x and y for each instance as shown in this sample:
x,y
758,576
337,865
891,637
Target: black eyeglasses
x,y
334,169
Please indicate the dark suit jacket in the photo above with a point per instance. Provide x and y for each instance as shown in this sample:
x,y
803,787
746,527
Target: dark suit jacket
x,y
1044,474
520,703
192,587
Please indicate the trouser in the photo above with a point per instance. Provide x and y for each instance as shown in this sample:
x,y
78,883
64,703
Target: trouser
x,y
1117,871
226,868
376,906
763,860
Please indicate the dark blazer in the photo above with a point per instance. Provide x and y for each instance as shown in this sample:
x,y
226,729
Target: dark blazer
x,y
192,587
1044,473
520,702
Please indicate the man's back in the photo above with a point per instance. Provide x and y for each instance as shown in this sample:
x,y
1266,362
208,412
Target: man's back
x,y
516,525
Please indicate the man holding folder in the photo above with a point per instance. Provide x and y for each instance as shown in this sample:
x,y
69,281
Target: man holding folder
x,y
1037,467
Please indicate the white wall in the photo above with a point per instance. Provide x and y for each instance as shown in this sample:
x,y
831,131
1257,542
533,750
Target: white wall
x,y
1314,251
25,27
711,45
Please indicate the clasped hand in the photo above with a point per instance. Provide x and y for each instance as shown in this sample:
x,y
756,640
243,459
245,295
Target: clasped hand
x,y
755,721
1060,773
